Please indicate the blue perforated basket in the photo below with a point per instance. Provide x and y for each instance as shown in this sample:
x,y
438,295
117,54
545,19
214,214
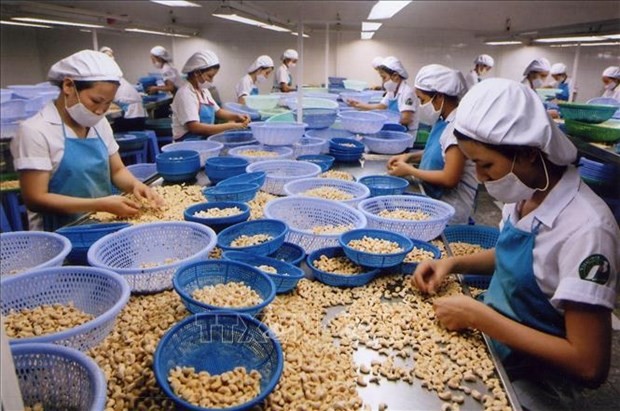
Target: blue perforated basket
x,y
177,166
23,251
277,133
243,110
205,148
221,168
197,275
375,260
308,146
274,228
357,190
318,117
143,171
338,280
362,122
388,142
83,236
169,244
58,378
231,139
285,280
217,343
290,253
217,223
384,185
440,213
231,192
323,161
409,268
95,291
246,178
326,134
280,172
279,153
302,214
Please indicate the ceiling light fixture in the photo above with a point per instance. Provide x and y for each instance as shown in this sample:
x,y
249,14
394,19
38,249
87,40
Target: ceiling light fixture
x,y
59,22
366,26
386,9
569,39
502,43
176,3
294,33
367,35
605,43
159,33
16,23
247,20
612,36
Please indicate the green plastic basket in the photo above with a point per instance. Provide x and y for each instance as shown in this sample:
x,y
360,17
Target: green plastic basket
x,y
421,139
286,117
587,113
266,114
607,132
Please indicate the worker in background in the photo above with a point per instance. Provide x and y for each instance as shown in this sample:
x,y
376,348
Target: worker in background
x,y
611,82
555,266
66,154
399,96
193,109
283,80
376,65
162,60
445,172
482,65
130,101
536,73
257,73
560,81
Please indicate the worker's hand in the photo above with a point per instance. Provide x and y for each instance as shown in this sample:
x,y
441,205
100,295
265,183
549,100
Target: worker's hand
x,y
456,312
353,103
429,274
400,169
118,205
152,90
243,118
237,126
553,113
401,157
145,194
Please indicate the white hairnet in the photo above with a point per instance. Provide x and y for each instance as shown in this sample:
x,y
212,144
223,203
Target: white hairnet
x,y
485,59
106,49
540,64
376,62
612,71
440,79
200,60
162,53
261,62
290,54
86,65
558,68
394,64
505,112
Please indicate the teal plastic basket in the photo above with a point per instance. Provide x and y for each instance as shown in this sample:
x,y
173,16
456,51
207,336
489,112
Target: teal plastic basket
x,y
587,113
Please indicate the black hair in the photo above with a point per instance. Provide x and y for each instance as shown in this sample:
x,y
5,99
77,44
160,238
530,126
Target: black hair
x,y
432,94
389,71
204,70
507,150
83,85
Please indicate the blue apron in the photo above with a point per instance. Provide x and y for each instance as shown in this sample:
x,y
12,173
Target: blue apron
x,y
206,114
514,292
84,172
393,105
432,158
254,91
565,93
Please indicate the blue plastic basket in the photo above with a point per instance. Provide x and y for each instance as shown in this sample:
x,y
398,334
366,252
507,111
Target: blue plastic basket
x,y
235,138
231,192
426,230
130,142
58,377
217,343
196,275
362,122
276,133
317,118
327,134
357,190
205,148
302,214
217,223
220,168
375,260
280,172
95,291
285,280
83,236
384,185
394,127
143,171
279,153
12,110
389,142
177,166
338,280
323,161
245,110
24,251
246,178
344,145
290,253
275,228
154,243
409,268
308,146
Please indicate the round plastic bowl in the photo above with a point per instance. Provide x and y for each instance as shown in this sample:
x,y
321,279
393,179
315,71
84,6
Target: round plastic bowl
x,y
264,102
327,134
587,113
217,223
193,276
274,228
409,268
278,153
24,251
376,260
285,280
147,255
231,139
280,172
338,280
308,145
359,96
83,236
323,161
344,145
221,168
58,377
242,192
356,190
277,134
394,127
5,95
388,142
205,148
243,110
318,117
362,122
143,171
12,110
355,84
384,185
217,343
29,91
311,102
290,253
95,291
257,178
179,165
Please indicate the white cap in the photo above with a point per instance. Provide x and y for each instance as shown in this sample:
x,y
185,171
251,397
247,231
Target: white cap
x,y
261,62
106,49
86,65
540,64
440,79
504,112
162,53
485,59
376,62
558,68
290,54
612,72
394,64
200,60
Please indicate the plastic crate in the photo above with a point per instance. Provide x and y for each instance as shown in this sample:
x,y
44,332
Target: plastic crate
x,y
289,252
205,148
338,280
375,260
24,251
242,192
384,185
362,122
587,113
275,228
357,190
388,142
83,236
277,133
217,223
285,280
280,172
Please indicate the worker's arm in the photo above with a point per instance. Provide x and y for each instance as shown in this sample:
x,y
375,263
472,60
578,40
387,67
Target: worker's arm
x,y
126,182
365,106
447,177
228,115
167,87
285,88
196,127
406,117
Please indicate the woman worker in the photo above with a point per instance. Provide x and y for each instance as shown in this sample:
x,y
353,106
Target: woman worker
x,y
66,154
444,170
560,78
193,109
611,82
283,81
162,60
482,65
376,64
555,265
399,98
257,74
535,74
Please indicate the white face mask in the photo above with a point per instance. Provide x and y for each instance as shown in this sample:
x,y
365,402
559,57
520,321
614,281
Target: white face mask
x,y
510,189
261,78
428,114
205,84
292,65
81,115
610,86
537,83
390,86
158,64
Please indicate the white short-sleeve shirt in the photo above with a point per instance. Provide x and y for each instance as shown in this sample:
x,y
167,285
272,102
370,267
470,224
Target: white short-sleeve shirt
x,y
471,79
407,101
186,106
577,248
127,94
244,86
169,72
614,93
282,75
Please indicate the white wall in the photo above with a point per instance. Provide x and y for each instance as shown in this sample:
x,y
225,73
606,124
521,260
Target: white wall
x,y
19,56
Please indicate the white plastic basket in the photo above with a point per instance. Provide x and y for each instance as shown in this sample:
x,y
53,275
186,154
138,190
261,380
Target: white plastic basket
x,y
357,190
277,133
280,172
280,153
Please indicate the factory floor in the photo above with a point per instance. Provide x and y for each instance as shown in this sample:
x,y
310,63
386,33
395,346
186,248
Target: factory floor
x,y
607,396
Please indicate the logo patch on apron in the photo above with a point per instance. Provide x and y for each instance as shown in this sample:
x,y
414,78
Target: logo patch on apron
x,y
595,268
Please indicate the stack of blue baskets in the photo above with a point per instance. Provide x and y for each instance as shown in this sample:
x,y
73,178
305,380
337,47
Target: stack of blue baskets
x,y
597,174
346,149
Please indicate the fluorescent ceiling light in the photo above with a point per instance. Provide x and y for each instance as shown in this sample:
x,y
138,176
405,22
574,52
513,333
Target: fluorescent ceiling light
x,y
159,33
613,36
566,39
15,23
86,30
502,43
176,3
250,21
366,26
386,9
294,33
605,43
59,22
367,35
